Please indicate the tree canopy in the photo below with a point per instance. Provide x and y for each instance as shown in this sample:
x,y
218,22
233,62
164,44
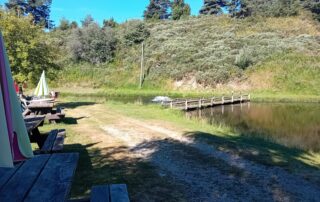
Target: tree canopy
x,y
39,9
27,47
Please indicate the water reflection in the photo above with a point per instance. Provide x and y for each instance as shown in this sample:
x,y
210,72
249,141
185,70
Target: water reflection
x,y
292,125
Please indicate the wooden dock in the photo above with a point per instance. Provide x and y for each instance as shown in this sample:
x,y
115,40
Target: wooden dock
x,y
192,104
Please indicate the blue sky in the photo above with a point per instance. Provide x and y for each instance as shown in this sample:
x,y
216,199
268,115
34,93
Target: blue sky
x,y
120,10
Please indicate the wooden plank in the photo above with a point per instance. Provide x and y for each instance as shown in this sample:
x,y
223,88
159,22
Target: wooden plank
x,y
54,182
24,178
58,143
119,193
7,173
100,193
48,144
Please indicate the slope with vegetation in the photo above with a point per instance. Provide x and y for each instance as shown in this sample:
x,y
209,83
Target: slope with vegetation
x,y
277,54
240,45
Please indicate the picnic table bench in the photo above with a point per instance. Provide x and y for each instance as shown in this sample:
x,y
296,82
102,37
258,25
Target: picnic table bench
x,y
52,142
110,193
45,177
40,108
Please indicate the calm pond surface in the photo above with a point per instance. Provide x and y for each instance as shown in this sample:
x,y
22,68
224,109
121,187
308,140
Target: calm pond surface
x,y
292,125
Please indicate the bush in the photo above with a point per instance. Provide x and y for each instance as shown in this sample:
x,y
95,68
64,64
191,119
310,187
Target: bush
x,y
92,44
135,32
243,60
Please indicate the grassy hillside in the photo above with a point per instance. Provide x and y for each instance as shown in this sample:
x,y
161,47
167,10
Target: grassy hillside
x,y
254,54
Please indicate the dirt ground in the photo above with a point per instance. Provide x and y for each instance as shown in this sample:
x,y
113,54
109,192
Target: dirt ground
x,y
202,172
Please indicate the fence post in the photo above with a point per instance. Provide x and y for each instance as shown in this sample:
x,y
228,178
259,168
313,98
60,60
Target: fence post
x,y
222,99
212,101
171,104
241,98
200,103
249,97
186,105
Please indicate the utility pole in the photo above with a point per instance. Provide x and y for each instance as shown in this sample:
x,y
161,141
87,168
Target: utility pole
x,y
142,67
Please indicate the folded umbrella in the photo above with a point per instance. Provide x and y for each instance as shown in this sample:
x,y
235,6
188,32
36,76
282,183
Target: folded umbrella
x,y
13,132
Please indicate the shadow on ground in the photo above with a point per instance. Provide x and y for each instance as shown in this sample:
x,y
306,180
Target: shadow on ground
x,y
256,149
148,178
73,105
71,120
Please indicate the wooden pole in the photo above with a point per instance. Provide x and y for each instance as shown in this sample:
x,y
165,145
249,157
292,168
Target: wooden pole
x,y
141,66
186,105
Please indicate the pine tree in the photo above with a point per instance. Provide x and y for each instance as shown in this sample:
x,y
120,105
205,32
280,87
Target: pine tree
x,y
109,23
152,11
157,9
164,8
213,7
180,9
40,10
87,21
239,8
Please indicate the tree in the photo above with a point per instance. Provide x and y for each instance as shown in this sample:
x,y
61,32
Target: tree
x,y
152,11
213,7
40,10
29,51
273,8
238,8
180,9
157,9
164,8
73,25
135,32
92,44
110,23
64,24
87,21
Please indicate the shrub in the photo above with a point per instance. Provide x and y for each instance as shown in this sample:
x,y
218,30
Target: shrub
x,y
92,44
135,32
243,59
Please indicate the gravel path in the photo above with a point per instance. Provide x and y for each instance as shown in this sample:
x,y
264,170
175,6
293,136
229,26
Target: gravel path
x,y
208,174
205,173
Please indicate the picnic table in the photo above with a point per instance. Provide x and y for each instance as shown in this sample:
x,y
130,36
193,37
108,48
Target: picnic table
x,y
51,142
41,108
46,177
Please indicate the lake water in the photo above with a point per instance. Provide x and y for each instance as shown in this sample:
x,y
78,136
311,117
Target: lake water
x,y
292,125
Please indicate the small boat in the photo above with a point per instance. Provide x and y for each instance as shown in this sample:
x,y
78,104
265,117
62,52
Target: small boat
x,y
161,99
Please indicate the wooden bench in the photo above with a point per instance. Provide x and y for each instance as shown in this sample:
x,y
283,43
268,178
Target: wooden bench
x,y
55,115
110,193
45,177
54,141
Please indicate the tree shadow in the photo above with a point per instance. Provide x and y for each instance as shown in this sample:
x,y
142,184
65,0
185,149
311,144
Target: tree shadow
x,y
73,105
71,120
111,165
151,174
262,151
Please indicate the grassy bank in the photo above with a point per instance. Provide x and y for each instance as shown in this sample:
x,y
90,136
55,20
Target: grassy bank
x,y
256,96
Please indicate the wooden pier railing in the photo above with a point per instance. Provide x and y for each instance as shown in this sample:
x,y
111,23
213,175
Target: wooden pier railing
x,y
191,104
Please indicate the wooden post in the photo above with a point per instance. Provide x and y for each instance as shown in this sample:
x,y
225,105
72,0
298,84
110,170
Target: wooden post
x,y
186,105
249,97
222,99
142,68
241,98
212,101
171,104
200,103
